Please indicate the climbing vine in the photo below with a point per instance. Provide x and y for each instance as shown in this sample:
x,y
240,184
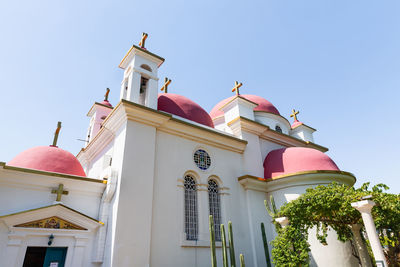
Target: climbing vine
x,y
329,206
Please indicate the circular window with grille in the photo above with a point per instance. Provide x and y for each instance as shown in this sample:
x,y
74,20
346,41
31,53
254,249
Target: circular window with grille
x,y
202,159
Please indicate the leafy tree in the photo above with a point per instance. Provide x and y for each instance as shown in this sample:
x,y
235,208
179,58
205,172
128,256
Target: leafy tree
x,y
329,206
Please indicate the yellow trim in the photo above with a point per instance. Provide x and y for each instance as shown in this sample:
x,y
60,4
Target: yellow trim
x,y
56,174
238,96
295,174
303,125
142,50
310,172
307,143
49,206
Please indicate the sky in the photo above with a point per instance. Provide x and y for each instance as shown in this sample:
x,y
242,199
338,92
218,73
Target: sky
x,y
337,62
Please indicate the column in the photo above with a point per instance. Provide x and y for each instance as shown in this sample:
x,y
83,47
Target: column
x,y
360,246
79,251
283,221
133,87
364,207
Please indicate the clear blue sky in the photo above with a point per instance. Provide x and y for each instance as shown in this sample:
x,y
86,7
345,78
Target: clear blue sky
x,y
338,62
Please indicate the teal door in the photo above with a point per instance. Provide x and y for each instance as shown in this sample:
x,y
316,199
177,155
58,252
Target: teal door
x,y
55,257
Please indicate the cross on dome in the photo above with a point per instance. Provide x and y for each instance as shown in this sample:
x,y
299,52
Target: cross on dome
x,y
59,191
57,132
165,86
143,40
236,88
294,114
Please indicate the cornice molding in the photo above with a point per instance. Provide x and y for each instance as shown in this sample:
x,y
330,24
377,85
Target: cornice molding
x,y
266,133
306,178
128,111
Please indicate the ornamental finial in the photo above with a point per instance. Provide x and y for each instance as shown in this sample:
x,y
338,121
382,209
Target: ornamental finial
x,y
106,95
236,88
143,40
294,114
57,133
165,86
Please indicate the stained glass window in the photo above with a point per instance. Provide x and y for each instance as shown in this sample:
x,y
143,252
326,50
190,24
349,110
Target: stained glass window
x,y
202,159
191,216
215,207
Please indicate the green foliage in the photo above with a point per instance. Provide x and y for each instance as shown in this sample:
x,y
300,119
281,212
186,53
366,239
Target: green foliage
x,y
330,206
273,211
212,242
265,242
224,248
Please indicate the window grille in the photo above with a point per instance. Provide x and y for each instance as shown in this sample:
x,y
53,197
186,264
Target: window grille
x,y
215,207
191,216
202,159
278,129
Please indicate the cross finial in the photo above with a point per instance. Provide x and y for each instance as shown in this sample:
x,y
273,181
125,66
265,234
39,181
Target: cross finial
x,y
143,40
106,95
165,86
236,88
57,133
59,191
294,114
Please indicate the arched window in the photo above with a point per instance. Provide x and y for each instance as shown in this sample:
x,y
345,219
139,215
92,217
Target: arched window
x,y
278,129
146,67
215,207
191,216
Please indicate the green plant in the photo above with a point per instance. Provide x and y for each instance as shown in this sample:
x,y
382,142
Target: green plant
x,y
265,242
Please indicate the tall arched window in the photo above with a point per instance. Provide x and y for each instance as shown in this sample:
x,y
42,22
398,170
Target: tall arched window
x,y
191,216
215,207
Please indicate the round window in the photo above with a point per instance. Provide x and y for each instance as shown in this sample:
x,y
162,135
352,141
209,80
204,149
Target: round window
x,y
202,159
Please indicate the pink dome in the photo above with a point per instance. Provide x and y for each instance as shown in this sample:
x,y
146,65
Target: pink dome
x,y
106,103
184,107
50,159
263,105
296,159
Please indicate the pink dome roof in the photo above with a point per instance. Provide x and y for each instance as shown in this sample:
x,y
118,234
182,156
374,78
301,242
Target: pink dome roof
x,y
50,159
296,159
183,107
263,105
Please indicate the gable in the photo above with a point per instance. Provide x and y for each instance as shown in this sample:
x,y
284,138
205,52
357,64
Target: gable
x,y
53,222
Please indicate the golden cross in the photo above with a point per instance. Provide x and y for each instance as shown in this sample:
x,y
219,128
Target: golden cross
x,y
236,88
165,86
294,114
56,133
59,191
143,40
106,95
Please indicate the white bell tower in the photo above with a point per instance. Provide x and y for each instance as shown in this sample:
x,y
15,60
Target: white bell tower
x,y
140,82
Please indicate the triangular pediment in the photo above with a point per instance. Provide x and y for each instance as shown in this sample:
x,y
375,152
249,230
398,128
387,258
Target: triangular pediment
x,y
53,222
57,217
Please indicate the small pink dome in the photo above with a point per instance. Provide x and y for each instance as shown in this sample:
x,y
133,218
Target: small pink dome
x,y
296,159
263,105
106,103
50,159
183,107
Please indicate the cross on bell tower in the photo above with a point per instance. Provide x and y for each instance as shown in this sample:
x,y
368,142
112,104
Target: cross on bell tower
x,y
236,88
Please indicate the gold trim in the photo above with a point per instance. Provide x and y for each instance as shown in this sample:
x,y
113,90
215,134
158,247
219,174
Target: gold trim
x,y
142,50
307,143
310,172
237,96
295,174
49,206
56,174
303,125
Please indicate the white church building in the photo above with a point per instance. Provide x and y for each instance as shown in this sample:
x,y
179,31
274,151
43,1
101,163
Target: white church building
x,y
154,167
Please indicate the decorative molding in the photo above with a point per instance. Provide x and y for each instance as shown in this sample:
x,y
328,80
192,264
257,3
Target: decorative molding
x,y
53,222
266,133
